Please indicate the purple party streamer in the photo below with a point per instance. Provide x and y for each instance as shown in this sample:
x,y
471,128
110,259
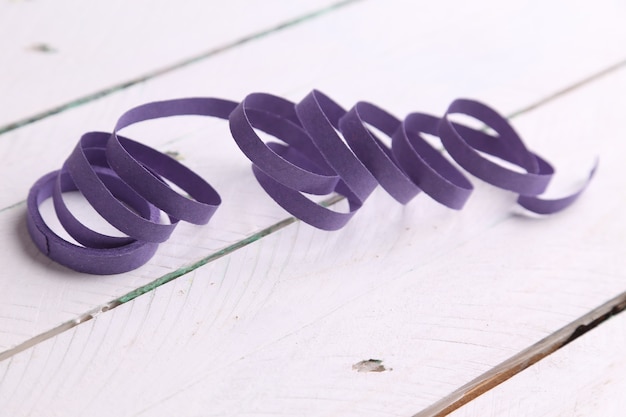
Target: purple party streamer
x,y
97,259
325,149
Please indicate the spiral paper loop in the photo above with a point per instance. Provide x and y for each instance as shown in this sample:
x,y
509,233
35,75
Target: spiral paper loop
x,y
325,149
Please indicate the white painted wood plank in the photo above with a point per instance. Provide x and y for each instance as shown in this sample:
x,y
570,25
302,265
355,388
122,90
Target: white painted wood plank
x,y
276,327
46,295
585,378
56,52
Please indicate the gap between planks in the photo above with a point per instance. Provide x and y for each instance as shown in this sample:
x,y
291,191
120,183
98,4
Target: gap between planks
x,y
525,358
175,66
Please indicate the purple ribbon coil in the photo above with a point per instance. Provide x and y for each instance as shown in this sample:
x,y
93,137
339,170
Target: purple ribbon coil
x,y
325,149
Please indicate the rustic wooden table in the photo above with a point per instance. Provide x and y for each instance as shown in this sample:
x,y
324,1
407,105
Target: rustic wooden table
x,y
414,310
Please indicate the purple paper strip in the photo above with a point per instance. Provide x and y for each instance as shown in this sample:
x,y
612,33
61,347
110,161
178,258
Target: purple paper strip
x,y
102,260
325,149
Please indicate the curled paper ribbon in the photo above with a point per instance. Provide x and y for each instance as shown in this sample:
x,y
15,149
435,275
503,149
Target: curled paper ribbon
x,y
326,149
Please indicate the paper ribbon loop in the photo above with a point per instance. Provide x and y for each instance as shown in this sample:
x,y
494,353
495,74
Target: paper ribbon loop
x,y
325,149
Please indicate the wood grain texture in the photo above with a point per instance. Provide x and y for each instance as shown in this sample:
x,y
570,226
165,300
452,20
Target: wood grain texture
x,y
526,358
585,378
54,296
276,327
439,298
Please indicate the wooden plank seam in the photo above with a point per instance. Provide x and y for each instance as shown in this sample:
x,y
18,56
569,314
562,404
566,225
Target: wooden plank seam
x,y
178,65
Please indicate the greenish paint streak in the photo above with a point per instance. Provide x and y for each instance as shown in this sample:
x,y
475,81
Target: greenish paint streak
x,y
210,258
173,67
185,270
19,203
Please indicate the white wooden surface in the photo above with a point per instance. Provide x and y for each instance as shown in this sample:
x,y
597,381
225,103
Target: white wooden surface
x,y
57,52
275,327
589,372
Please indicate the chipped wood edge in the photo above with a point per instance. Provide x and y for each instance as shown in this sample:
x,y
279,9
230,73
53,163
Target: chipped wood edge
x,y
526,358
